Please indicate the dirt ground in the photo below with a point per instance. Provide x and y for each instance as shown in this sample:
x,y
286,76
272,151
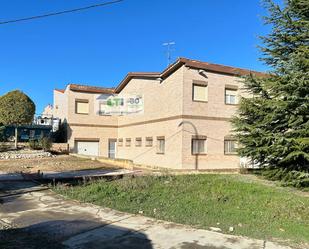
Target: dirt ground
x,y
58,163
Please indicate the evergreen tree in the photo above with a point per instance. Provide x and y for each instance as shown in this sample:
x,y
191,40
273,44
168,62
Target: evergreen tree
x,y
273,124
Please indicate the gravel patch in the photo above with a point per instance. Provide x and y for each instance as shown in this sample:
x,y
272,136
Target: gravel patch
x,y
24,154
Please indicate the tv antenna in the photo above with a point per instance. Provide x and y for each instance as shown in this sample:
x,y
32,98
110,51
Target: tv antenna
x,y
169,45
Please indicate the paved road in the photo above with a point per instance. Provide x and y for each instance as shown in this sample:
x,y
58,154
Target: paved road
x,y
32,216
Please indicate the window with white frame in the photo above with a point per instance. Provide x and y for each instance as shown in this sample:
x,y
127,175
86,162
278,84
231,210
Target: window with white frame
x,y
120,142
199,145
230,146
148,142
200,92
138,142
128,142
160,145
81,106
231,96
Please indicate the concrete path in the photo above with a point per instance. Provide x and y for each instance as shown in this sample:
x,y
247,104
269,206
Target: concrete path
x,y
26,208
74,174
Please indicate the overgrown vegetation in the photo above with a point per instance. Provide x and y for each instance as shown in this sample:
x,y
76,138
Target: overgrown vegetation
x,y
2,129
223,201
34,144
44,143
290,178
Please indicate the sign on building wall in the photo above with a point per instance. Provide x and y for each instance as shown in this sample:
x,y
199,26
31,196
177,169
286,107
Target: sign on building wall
x,y
112,104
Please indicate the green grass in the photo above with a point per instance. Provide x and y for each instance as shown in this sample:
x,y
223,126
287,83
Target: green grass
x,y
253,209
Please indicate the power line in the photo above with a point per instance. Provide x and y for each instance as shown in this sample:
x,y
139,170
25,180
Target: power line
x,y
60,12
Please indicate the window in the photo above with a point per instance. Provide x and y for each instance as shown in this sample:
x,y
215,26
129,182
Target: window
x,y
138,142
231,96
160,145
81,106
200,92
199,146
148,142
128,142
230,146
120,142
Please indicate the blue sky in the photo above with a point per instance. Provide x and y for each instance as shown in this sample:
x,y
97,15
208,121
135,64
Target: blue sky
x,y
99,46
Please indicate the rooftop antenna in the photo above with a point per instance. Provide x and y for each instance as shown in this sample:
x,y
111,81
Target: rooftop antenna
x,y
169,51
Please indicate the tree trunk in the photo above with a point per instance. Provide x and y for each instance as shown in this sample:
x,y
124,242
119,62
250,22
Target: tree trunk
x,y
16,137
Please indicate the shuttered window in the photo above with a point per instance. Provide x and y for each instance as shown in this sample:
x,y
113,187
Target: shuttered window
x,y
200,92
148,142
82,106
128,142
138,142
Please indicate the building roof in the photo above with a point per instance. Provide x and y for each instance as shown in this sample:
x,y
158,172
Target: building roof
x,y
210,67
218,68
130,75
60,90
90,89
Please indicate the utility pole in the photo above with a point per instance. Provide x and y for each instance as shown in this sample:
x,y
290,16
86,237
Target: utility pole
x,y
169,51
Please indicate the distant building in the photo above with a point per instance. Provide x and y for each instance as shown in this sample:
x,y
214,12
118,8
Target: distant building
x,y
46,118
48,111
27,132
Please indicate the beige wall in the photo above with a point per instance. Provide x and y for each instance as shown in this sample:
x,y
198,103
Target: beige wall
x,y
166,105
161,99
210,119
91,125
91,118
215,107
148,155
86,132
84,126
60,107
215,131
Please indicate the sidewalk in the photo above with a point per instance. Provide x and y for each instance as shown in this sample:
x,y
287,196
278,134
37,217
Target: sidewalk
x,y
30,208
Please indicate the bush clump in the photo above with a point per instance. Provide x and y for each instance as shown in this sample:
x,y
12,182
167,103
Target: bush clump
x,y
291,178
45,143
34,144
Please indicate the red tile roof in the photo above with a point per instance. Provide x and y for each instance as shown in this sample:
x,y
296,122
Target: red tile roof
x,y
131,75
211,67
219,68
60,90
90,89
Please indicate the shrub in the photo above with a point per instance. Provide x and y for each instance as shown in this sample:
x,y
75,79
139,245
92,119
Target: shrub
x,y
292,178
45,143
4,147
2,136
34,145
